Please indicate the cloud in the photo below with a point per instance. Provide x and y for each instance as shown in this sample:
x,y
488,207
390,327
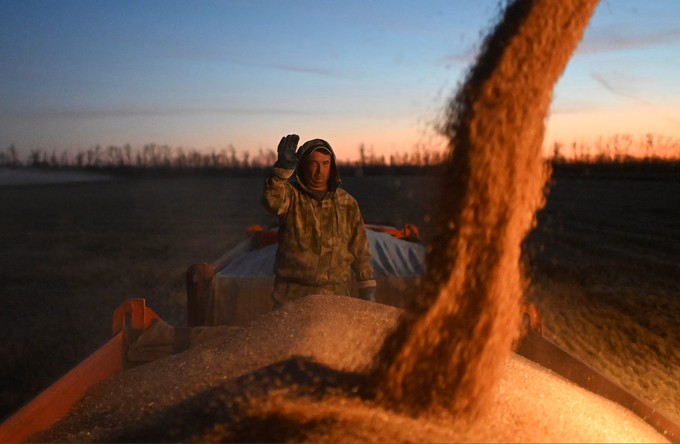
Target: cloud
x,y
571,107
466,56
602,39
610,38
609,85
218,55
78,114
293,68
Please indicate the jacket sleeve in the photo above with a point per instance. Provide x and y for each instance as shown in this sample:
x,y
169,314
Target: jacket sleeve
x,y
277,196
358,246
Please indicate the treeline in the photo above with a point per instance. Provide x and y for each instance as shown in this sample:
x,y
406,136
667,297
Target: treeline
x,y
619,148
150,156
617,155
651,156
164,159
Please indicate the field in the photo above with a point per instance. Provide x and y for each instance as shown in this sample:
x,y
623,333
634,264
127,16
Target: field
x,y
604,263
606,277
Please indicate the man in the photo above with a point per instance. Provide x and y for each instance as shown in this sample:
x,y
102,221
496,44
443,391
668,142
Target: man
x,y
321,232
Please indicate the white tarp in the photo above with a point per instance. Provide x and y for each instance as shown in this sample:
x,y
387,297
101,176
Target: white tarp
x,y
389,257
242,290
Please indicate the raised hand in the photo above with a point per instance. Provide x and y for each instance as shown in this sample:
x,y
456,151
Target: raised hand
x,y
287,147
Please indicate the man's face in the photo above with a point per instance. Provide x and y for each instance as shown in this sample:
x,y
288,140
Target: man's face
x,y
317,169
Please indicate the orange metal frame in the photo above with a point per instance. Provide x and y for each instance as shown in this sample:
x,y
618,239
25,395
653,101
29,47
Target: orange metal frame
x,y
57,399
140,315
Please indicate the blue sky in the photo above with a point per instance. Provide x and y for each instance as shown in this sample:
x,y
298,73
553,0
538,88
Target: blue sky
x,y
209,74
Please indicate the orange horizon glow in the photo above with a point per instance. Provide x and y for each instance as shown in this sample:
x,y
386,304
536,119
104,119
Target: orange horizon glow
x,y
404,137
591,128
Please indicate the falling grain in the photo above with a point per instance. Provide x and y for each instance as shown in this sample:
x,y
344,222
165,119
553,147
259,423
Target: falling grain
x,y
448,349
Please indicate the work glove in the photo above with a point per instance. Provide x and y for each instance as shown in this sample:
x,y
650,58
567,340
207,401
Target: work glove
x,y
287,147
367,293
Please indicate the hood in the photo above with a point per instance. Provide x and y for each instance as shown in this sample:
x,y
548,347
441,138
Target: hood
x,y
307,148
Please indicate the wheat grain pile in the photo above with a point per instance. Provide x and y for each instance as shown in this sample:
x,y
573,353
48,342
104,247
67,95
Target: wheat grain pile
x,y
299,374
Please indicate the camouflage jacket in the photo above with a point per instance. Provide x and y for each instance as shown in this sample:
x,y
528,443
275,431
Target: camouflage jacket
x,y
319,241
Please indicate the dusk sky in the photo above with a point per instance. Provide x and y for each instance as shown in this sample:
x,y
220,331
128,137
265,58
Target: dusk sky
x,y
209,74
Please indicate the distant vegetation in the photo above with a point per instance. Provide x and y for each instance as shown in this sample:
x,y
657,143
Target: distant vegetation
x,y
163,160
650,155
